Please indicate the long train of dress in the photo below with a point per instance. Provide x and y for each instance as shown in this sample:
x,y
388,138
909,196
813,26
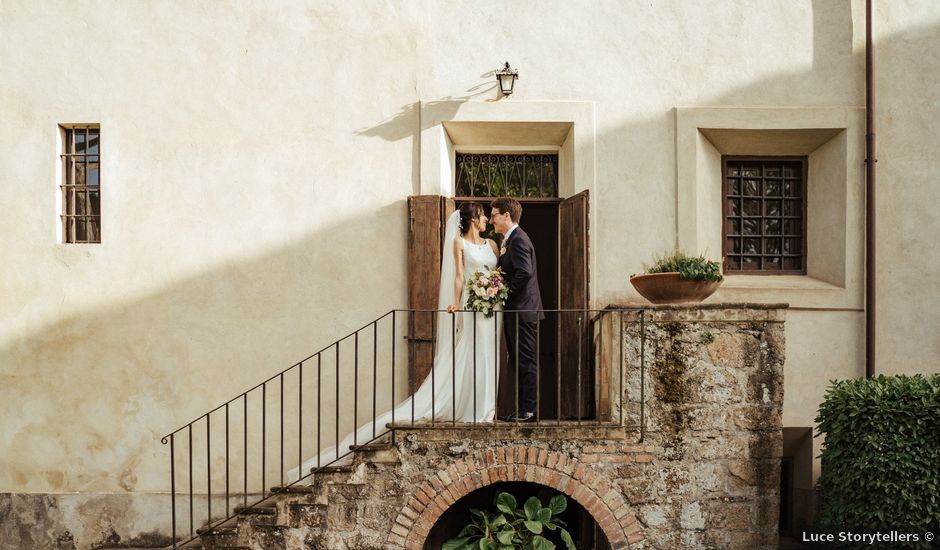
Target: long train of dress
x,y
470,369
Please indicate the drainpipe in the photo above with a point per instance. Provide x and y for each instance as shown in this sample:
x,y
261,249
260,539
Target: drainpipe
x,y
870,161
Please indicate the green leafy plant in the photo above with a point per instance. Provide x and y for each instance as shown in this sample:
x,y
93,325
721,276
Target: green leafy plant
x,y
512,528
881,455
696,268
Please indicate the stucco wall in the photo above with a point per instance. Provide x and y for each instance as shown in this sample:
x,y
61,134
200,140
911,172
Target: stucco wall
x,y
256,160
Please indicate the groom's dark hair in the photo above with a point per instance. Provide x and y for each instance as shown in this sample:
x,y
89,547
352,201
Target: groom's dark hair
x,y
510,205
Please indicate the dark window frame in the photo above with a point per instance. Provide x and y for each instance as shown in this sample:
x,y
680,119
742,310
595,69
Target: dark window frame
x,y
727,223
81,222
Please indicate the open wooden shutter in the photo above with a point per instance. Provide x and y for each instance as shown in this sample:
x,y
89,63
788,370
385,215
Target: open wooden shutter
x,y
426,217
573,294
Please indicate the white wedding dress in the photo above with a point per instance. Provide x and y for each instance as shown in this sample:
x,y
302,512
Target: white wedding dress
x,y
463,379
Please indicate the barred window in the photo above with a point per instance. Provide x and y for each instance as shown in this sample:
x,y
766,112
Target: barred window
x,y
81,185
498,175
764,230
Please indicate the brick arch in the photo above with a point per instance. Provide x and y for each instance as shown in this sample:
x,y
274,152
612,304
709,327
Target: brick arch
x,y
593,491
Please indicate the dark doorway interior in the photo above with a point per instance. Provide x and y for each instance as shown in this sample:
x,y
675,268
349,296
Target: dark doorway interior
x,y
579,522
786,495
540,222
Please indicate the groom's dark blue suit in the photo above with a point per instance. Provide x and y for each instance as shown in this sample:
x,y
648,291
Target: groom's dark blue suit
x,y
519,267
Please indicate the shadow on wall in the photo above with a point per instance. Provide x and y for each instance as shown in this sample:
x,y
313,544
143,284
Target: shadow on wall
x,y
85,401
402,125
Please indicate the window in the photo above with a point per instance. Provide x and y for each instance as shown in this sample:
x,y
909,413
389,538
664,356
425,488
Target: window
x,y
520,175
764,209
81,185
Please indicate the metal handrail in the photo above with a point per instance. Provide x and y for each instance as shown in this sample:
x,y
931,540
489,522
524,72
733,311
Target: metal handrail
x,y
582,324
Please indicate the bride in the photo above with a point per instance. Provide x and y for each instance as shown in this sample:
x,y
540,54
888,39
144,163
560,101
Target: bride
x,y
462,384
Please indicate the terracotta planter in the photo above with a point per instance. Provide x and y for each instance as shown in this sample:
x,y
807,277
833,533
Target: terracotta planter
x,y
670,288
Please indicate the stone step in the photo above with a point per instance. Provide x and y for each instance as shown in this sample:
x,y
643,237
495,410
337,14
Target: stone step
x,y
220,536
378,446
266,514
264,510
221,529
376,453
294,490
341,474
345,468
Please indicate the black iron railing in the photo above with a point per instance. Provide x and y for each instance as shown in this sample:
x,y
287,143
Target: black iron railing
x,y
235,437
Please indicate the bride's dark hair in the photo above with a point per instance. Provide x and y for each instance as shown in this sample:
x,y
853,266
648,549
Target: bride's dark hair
x,y
469,211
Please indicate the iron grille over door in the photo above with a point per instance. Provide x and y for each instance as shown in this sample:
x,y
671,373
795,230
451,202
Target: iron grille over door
x,y
496,175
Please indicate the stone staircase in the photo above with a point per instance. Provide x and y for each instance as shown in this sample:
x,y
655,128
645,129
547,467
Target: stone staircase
x,y
311,515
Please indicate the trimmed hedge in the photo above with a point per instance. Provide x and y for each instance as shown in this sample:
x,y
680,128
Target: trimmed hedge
x,y
881,456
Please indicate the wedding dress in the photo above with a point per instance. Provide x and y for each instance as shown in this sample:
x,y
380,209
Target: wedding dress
x,y
464,373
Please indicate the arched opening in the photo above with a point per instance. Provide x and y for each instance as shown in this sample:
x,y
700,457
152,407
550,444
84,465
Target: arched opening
x,y
582,526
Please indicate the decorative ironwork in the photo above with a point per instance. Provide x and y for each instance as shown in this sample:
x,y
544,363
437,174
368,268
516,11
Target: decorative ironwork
x,y
500,175
81,187
764,227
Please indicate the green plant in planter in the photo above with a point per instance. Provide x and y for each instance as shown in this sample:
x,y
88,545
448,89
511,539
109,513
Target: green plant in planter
x,y
511,528
696,268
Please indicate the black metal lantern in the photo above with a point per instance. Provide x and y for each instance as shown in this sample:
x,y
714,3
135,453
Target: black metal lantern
x,y
506,78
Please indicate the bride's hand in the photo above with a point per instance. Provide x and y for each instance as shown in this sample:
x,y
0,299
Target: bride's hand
x,y
452,308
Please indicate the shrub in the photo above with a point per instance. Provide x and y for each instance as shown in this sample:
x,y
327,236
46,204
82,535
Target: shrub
x,y
881,456
511,528
697,268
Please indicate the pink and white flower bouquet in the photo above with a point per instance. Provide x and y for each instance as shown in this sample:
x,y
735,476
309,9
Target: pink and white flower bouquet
x,y
486,291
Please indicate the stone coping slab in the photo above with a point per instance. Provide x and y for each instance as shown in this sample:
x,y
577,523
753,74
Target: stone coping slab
x,y
568,431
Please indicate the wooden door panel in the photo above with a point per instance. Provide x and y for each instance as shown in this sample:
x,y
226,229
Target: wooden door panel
x,y
426,217
577,400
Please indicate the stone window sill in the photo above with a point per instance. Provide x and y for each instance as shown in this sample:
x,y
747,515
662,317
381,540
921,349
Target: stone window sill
x,y
799,291
777,282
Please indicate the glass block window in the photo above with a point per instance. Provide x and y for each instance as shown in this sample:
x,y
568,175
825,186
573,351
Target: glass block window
x,y
764,230
495,175
81,185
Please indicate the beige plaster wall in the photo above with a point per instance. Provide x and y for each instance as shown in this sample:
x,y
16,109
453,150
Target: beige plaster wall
x,y
256,160
908,153
251,217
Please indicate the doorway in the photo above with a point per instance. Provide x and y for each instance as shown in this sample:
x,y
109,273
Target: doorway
x,y
558,229
540,222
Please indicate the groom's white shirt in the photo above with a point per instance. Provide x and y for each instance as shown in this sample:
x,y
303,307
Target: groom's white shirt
x,y
508,233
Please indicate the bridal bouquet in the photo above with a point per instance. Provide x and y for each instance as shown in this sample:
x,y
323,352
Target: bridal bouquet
x,y
486,290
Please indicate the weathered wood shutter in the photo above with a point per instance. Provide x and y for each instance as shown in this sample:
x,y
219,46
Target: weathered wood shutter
x,y
426,217
573,294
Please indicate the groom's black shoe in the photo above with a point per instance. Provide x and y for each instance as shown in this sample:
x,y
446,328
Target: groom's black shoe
x,y
521,417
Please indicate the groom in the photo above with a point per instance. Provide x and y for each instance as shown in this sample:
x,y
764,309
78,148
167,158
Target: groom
x,y
517,261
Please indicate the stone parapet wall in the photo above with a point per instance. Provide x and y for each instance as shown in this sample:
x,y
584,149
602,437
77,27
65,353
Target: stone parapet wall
x,y
712,399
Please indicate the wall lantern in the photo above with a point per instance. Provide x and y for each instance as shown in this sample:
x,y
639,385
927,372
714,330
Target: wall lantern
x,y
506,78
